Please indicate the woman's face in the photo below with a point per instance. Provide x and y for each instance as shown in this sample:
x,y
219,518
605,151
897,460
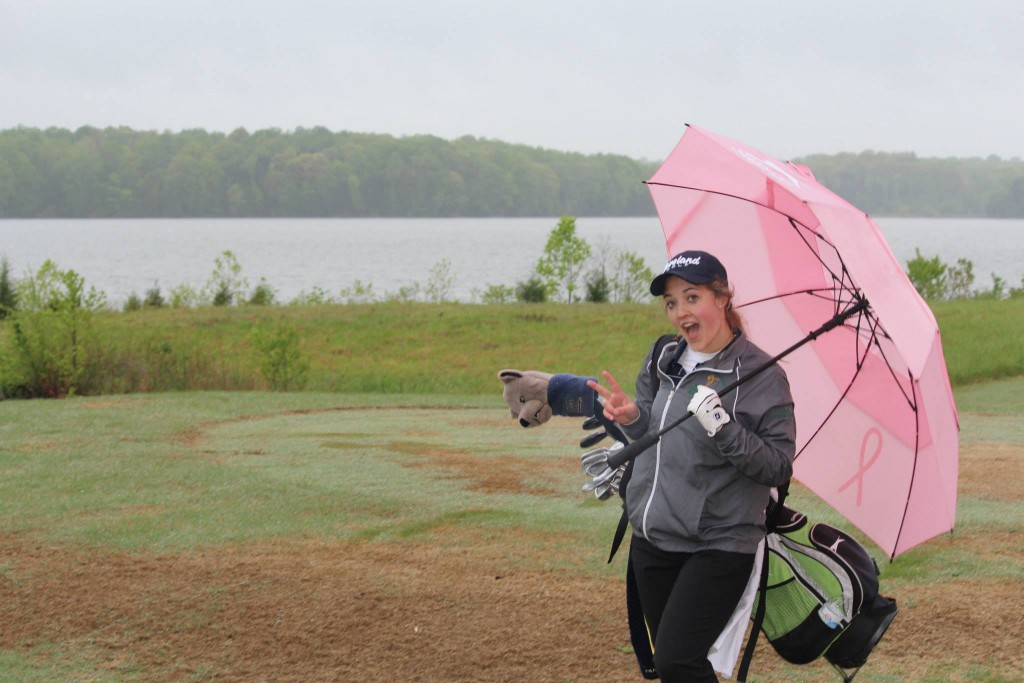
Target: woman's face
x,y
698,314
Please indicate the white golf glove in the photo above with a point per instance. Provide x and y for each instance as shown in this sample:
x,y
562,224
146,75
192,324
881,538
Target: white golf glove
x,y
707,406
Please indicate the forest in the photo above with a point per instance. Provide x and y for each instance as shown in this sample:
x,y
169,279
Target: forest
x,y
315,172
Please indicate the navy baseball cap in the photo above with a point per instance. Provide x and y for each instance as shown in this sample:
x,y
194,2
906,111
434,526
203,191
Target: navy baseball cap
x,y
697,267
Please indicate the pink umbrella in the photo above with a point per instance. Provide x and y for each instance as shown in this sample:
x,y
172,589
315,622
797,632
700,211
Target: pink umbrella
x,y
876,422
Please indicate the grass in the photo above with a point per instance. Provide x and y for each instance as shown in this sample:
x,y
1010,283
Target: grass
x,y
452,349
403,403
178,472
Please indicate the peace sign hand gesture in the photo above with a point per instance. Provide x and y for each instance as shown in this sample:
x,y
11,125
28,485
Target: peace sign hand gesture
x,y
618,407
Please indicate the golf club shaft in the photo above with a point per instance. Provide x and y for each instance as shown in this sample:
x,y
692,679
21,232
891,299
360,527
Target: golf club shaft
x,y
647,440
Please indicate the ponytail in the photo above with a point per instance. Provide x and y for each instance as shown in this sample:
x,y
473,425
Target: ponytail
x,y
722,289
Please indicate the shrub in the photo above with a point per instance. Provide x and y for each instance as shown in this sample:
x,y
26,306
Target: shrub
x,y
132,303
598,287
928,276
153,298
184,296
53,349
498,294
358,293
282,362
263,294
532,291
315,297
440,283
564,257
226,284
8,290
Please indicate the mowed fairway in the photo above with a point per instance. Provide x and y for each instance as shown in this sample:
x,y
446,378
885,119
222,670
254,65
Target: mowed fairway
x,y
327,537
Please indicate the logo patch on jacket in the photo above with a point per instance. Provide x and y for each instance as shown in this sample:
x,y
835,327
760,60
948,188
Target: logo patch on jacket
x,y
710,380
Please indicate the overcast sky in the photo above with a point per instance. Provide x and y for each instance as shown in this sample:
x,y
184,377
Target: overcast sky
x,y
934,77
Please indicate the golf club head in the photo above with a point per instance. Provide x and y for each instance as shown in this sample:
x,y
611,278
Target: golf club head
x,y
604,491
591,423
594,462
592,438
600,479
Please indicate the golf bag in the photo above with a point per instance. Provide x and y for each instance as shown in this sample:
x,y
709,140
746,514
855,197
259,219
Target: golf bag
x,y
819,595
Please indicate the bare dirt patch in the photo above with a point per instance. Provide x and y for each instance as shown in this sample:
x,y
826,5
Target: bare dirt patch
x,y
450,610
991,469
504,474
458,607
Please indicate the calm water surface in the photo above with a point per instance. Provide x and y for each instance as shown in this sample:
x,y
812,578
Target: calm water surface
x,y
296,255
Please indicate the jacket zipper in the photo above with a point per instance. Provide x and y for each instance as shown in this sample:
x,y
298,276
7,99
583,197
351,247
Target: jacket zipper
x,y
661,425
657,459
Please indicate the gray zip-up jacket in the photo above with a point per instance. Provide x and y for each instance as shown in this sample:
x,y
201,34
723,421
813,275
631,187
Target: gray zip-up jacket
x,y
692,492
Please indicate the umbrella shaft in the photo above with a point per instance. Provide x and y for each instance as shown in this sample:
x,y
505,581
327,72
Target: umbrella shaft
x,y
642,444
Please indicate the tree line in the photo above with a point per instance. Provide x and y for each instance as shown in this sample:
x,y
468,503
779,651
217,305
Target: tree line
x,y
123,173
314,172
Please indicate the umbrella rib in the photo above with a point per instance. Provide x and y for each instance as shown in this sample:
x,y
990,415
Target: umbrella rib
x,y
835,407
818,292
845,283
913,474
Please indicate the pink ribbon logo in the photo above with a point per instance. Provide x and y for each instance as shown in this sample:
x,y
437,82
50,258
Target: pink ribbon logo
x,y
864,466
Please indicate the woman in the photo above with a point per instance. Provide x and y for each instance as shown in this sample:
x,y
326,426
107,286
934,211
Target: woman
x,y
696,500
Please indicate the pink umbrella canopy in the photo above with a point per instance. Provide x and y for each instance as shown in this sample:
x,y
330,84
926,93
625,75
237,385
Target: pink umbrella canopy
x,y
876,422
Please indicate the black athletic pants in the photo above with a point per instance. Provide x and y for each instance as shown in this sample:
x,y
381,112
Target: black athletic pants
x,y
687,600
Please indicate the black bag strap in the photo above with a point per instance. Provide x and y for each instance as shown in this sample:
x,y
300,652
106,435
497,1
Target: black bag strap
x,y
771,522
620,533
748,652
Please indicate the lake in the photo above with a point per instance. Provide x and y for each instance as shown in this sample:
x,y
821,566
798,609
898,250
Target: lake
x,y
296,255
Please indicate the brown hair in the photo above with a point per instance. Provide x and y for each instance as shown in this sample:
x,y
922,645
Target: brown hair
x,y
721,288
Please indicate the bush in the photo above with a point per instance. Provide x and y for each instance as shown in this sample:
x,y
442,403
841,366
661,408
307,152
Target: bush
x,y
153,298
498,294
8,290
532,291
226,284
928,276
598,287
440,283
263,294
282,362
132,303
53,349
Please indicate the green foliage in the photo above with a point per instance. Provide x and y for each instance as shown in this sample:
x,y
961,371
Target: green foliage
x,y
498,294
565,254
263,294
153,298
119,172
282,362
928,276
8,289
315,297
132,303
959,279
631,280
440,283
903,184
368,347
184,296
598,287
52,348
226,285
358,292
938,281
532,291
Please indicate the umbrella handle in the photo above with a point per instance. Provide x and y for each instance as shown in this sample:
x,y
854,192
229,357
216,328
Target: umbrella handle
x,y
647,440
